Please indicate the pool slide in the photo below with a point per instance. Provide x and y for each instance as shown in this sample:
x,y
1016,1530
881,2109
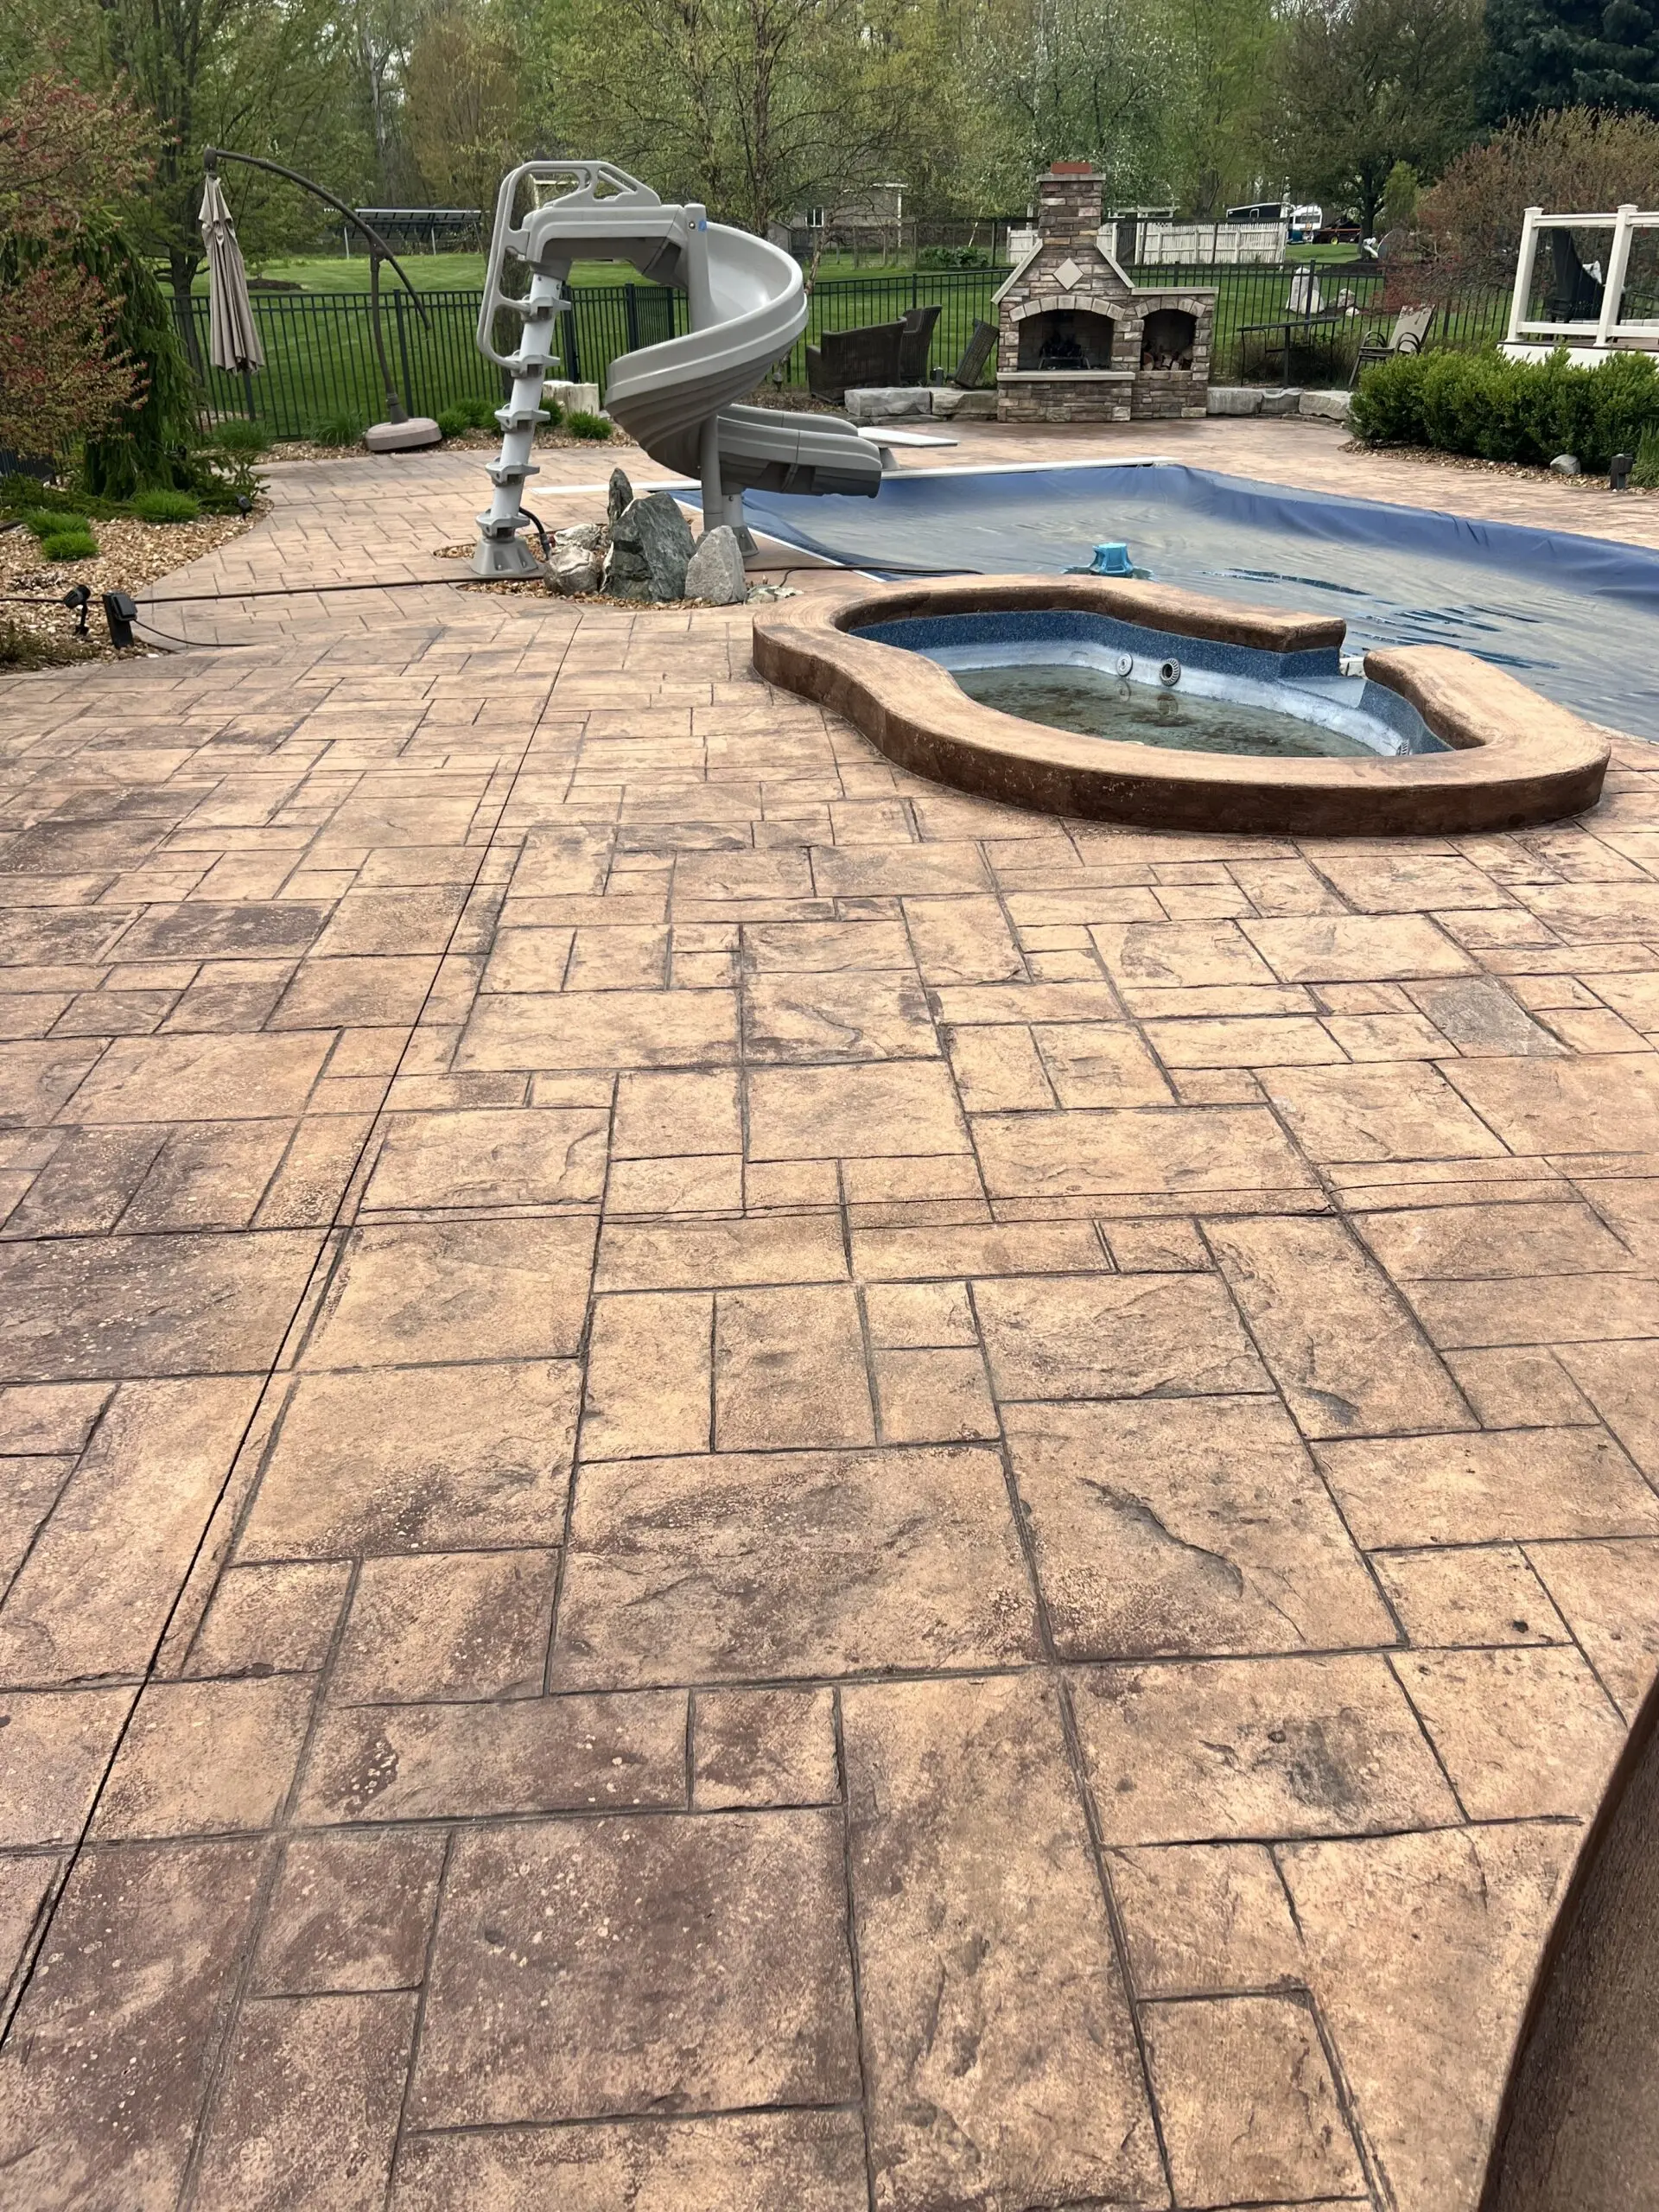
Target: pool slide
x,y
747,305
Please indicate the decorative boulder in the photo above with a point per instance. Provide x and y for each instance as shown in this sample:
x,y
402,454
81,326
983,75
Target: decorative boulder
x,y
651,549
1565,464
590,536
884,402
575,569
574,398
715,571
621,496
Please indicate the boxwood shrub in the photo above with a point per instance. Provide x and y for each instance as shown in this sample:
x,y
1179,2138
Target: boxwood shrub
x,y
1500,409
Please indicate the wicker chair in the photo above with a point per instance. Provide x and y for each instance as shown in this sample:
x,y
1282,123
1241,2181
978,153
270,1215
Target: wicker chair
x,y
852,359
915,344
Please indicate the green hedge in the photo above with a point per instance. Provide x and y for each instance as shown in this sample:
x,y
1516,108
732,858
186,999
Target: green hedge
x,y
1509,411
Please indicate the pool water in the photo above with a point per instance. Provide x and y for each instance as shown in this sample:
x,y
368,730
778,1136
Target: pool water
x,y
1097,704
1571,615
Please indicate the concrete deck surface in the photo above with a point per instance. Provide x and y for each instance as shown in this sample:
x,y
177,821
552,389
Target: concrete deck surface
x,y
734,1486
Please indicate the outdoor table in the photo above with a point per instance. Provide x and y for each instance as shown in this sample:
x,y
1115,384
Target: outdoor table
x,y
1289,324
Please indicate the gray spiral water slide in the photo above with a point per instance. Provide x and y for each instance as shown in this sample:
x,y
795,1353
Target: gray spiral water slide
x,y
747,304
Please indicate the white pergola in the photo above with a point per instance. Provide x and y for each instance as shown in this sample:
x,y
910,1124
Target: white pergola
x,y
1591,340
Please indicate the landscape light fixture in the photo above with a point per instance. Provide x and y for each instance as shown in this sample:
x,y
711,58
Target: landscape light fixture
x,y
120,612
1618,472
81,599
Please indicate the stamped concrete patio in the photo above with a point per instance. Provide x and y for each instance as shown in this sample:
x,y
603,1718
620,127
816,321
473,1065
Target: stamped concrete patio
x,y
734,1486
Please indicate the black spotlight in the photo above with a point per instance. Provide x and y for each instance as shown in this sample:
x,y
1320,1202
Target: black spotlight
x,y
81,599
119,611
1618,472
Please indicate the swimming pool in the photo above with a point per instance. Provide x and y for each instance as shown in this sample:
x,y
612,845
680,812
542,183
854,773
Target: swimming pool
x,y
1567,614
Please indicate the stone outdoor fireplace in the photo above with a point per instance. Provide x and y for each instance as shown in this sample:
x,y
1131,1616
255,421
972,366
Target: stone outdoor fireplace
x,y
1078,342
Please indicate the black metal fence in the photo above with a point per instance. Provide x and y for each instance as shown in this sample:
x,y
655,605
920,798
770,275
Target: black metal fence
x,y
320,367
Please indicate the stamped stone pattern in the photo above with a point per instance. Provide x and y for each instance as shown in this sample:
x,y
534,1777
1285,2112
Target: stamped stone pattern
x,y
729,1483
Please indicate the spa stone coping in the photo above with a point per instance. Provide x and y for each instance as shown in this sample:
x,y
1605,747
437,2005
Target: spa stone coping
x,y
1514,759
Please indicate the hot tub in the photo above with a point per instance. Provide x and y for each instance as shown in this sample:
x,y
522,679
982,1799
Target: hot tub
x,y
1416,740
1074,669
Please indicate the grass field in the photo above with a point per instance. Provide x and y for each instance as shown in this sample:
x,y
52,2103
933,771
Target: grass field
x,y
464,272
427,272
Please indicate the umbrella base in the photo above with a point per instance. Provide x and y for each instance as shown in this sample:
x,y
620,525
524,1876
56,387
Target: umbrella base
x,y
403,437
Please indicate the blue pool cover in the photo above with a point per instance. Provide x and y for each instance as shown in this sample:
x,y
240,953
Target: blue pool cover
x,y
1567,613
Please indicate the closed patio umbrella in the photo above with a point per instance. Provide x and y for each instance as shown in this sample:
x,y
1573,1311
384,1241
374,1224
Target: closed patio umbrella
x,y
233,341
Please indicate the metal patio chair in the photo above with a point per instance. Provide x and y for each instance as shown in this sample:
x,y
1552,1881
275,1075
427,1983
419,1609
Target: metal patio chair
x,y
1409,334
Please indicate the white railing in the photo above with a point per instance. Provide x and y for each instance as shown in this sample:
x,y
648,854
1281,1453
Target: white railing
x,y
1608,332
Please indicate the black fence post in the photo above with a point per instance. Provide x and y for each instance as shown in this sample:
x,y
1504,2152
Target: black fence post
x,y
403,349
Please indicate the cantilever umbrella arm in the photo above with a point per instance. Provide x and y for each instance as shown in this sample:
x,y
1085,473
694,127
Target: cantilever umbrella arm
x,y
378,252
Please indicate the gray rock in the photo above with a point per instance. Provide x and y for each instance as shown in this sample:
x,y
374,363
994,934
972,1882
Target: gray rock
x,y
575,569
1282,399
977,407
622,495
590,536
1234,399
888,403
715,571
1565,464
1326,406
651,549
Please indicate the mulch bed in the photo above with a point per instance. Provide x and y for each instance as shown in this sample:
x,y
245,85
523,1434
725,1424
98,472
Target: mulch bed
x,y
130,554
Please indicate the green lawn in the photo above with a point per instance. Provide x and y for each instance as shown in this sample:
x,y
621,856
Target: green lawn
x,y
427,272
464,272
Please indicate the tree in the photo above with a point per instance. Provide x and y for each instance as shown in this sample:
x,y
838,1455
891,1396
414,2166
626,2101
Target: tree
x,y
383,34
1071,79
1364,83
66,159
1557,53
754,107
1574,161
463,105
1220,56
274,79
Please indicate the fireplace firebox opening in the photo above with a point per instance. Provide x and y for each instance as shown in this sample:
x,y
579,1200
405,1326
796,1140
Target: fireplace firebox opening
x,y
1167,338
1067,339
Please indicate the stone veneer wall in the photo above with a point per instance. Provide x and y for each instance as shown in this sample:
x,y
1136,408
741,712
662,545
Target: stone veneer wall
x,y
1068,220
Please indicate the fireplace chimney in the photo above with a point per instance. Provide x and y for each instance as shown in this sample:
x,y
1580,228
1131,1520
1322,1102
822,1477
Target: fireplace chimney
x,y
1068,205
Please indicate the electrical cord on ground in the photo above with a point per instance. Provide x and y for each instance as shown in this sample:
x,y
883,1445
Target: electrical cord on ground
x,y
406,583
193,645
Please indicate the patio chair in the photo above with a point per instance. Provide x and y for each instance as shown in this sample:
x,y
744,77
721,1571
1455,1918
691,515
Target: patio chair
x,y
981,344
852,359
916,343
1411,329
1574,294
